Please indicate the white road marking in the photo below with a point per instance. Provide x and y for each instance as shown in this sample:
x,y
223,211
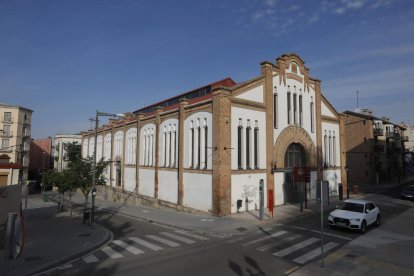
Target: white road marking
x,y
317,231
295,247
177,237
146,244
265,238
191,235
314,253
111,253
128,247
278,242
90,259
161,240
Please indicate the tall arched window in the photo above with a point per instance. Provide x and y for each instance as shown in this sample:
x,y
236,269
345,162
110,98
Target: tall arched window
x,y
107,147
91,146
99,148
118,144
295,156
131,145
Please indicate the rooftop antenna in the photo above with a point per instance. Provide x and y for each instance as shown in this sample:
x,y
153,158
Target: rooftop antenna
x,y
357,99
357,103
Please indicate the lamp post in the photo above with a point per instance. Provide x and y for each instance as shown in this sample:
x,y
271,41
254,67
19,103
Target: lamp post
x,y
347,181
104,114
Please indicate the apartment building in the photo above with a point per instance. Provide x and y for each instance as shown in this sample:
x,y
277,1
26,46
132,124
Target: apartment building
x,y
15,129
60,144
374,148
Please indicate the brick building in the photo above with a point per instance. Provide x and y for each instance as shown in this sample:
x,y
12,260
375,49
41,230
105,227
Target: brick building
x,y
208,148
374,148
40,158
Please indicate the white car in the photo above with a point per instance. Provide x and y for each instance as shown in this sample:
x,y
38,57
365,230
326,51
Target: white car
x,y
355,214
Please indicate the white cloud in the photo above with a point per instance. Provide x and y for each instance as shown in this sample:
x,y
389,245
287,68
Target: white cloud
x,y
270,3
314,18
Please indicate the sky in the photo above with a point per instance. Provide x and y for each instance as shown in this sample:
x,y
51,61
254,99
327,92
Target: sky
x,y
65,59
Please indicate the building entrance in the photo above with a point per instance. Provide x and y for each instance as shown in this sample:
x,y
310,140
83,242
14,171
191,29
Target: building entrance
x,y
295,156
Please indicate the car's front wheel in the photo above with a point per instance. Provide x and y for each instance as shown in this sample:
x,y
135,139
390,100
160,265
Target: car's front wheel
x,y
378,221
363,228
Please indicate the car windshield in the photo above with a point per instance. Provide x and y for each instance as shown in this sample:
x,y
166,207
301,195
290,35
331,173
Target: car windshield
x,y
353,207
409,188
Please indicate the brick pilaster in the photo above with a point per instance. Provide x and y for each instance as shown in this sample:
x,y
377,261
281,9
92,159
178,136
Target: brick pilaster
x,y
183,103
157,139
318,128
138,152
267,72
221,152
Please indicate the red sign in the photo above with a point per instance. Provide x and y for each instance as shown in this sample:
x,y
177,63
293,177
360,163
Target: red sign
x,y
301,174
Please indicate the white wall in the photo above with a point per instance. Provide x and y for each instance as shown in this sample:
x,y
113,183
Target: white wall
x,y
334,177
129,179
282,110
279,196
252,115
333,128
325,111
314,178
243,185
168,186
146,182
198,191
255,94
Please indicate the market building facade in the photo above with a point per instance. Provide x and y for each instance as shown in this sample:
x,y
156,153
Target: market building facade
x,y
207,149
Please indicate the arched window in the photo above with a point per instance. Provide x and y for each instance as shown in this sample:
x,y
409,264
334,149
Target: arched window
x,y
131,143
118,144
107,147
91,146
99,148
295,156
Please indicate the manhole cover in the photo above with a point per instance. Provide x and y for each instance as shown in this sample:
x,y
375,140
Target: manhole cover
x,y
350,255
241,229
84,235
32,259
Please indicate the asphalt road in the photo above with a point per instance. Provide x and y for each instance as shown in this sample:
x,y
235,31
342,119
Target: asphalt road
x,y
141,248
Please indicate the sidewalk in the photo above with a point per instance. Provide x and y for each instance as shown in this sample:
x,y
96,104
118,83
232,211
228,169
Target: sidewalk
x,y
53,238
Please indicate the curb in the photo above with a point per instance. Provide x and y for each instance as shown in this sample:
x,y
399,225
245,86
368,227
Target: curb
x,y
107,239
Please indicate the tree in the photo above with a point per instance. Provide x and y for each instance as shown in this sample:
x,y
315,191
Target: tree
x,y
81,171
73,152
48,179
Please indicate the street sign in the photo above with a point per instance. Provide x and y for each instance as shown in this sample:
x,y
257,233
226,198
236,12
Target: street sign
x,y
301,174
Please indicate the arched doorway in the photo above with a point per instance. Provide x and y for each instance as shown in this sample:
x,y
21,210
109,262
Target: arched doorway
x,y
295,156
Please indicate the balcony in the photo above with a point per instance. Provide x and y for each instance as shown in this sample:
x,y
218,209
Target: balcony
x,y
6,134
7,120
389,135
378,132
6,149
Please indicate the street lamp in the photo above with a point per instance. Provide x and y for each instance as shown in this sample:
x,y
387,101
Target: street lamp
x,y
102,114
347,181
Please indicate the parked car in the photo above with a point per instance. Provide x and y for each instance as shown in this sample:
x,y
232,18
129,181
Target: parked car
x,y
408,192
355,214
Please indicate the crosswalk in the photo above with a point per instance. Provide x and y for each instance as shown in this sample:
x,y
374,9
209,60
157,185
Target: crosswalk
x,y
140,245
298,247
